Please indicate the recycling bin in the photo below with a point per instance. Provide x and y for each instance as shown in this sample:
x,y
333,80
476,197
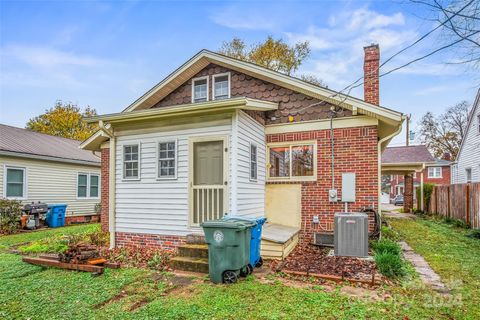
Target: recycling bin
x,y
56,215
228,249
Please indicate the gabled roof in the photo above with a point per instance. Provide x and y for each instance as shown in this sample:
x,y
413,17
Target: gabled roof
x,y
407,155
25,143
205,57
471,117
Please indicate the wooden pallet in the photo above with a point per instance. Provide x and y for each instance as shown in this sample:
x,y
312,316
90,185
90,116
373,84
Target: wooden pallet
x,y
51,262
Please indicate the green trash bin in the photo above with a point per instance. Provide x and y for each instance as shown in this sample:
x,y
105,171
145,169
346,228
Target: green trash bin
x,y
228,249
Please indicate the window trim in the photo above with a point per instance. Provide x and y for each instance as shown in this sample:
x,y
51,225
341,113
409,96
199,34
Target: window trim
x,y
228,80
290,144
193,88
434,176
89,174
124,178
25,182
157,173
253,179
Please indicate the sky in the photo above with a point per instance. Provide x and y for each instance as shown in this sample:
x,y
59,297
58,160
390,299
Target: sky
x,y
106,54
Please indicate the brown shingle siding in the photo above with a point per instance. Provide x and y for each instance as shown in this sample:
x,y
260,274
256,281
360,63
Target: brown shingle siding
x,y
242,85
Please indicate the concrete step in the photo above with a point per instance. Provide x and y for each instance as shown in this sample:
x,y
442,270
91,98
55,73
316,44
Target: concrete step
x,y
189,264
195,238
193,251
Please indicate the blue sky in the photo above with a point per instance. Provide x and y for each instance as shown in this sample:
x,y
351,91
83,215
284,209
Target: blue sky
x,y
106,54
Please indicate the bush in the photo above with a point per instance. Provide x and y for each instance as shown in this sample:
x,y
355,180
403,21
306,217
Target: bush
x,y
390,265
427,194
386,246
10,214
389,233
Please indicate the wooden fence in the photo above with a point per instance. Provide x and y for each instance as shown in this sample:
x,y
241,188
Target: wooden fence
x,y
457,201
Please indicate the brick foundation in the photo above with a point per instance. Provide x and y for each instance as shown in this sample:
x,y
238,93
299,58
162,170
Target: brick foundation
x,y
105,163
133,240
355,151
69,220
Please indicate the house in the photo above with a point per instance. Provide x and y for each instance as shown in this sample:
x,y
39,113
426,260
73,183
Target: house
x,y
411,162
40,167
223,136
466,168
437,173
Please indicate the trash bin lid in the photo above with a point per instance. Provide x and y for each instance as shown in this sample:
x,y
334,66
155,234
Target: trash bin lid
x,y
254,220
229,224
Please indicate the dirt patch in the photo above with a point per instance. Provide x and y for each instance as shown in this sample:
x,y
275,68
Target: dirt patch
x,y
315,260
119,296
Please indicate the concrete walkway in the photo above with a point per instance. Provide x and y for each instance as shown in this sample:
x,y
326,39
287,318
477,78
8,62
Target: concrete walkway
x,y
428,276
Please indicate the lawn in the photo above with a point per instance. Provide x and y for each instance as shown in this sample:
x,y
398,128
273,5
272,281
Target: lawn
x,y
31,292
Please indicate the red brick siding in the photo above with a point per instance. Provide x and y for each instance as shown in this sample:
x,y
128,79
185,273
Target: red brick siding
x,y
355,151
133,240
243,85
81,219
371,69
105,164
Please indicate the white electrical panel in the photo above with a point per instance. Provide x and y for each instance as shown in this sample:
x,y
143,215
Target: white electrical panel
x,y
348,187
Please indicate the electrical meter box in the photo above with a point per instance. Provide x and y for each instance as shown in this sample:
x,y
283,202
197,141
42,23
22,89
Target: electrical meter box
x,y
348,187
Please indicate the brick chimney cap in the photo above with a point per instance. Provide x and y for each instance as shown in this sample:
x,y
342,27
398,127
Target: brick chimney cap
x,y
373,45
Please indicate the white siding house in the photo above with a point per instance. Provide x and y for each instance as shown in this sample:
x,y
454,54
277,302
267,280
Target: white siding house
x,y
467,166
37,167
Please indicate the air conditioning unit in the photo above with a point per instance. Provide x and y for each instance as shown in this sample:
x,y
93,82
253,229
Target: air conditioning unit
x,y
351,234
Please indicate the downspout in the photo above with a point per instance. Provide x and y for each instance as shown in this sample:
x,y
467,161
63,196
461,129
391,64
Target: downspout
x,y
379,168
111,182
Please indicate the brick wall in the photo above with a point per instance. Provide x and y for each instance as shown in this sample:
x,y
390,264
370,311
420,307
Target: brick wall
x,y
81,219
133,240
355,151
105,162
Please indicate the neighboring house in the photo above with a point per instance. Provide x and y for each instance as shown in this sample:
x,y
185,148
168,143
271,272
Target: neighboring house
x,y
223,136
466,168
40,167
412,163
437,173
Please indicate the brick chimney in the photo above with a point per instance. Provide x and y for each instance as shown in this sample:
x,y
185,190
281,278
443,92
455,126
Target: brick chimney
x,y
371,64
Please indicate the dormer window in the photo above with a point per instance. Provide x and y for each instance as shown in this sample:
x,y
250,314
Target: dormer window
x,y
221,86
200,89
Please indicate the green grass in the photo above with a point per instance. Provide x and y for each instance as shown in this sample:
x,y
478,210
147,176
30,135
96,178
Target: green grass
x,y
32,292
451,253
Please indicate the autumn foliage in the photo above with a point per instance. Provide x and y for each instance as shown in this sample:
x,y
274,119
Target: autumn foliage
x,y
64,120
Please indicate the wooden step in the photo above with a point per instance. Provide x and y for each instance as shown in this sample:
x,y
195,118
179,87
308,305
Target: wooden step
x,y
189,264
193,251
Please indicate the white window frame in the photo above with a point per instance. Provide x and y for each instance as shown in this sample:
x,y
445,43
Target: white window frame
x,y
89,174
253,179
174,177
466,175
228,80
25,187
193,88
124,177
290,144
431,173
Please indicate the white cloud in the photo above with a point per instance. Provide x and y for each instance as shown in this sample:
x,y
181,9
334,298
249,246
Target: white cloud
x,y
37,56
367,19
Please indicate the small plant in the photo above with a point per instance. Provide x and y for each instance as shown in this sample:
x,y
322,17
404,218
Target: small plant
x,y
389,233
159,261
386,246
98,238
10,213
390,265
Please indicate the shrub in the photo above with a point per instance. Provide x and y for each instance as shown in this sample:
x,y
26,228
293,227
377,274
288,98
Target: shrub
x,y
386,246
427,194
159,261
389,233
10,213
390,265
98,238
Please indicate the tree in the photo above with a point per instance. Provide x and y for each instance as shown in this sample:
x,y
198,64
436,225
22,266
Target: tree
x,y
272,54
444,133
64,120
459,22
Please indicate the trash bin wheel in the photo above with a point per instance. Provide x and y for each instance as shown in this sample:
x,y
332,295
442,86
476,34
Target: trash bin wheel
x,y
259,263
229,277
245,271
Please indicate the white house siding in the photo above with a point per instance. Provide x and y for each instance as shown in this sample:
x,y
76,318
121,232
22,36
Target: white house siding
x,y
52,182
469,156
250,194
156,206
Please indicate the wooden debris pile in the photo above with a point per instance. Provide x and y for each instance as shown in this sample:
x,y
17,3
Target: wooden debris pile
x,y
81,257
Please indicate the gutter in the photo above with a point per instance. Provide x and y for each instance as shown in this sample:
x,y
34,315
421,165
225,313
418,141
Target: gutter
x,y
111,181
